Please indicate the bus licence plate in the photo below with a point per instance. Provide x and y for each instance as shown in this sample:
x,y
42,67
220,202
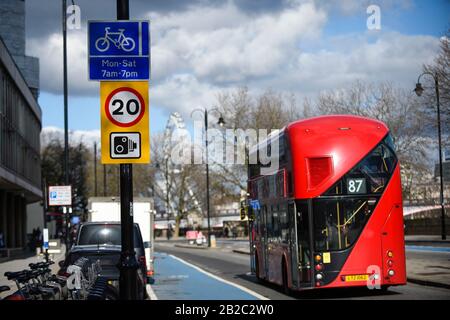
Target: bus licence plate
x,y
357,277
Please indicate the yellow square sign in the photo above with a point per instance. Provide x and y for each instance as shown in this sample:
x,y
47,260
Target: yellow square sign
x,y
124,122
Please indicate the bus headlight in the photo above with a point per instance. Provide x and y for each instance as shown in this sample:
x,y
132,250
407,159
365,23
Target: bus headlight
x,y
391,273
319,276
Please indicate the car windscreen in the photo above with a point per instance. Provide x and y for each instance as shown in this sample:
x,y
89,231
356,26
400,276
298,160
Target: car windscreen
x,y
101,234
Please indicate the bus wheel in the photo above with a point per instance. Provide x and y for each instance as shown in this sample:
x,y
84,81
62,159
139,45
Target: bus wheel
x,y
384,289
285,286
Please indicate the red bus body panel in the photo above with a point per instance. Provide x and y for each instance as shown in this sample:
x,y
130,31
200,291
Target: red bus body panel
x,y
346,139
382,233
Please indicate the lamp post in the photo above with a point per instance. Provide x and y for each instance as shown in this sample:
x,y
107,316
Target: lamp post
x,y
220,122
419,90
66,117
166,174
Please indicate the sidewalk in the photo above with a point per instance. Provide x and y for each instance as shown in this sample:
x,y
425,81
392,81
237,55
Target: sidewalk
x,y
426,266
22,263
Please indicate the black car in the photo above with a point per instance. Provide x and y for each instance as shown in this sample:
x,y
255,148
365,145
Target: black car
x,y
102,241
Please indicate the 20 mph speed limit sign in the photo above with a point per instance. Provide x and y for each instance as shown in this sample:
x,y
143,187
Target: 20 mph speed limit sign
x,y
124,122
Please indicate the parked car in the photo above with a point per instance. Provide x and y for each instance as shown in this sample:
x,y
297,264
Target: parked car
x,y
102,241
108,209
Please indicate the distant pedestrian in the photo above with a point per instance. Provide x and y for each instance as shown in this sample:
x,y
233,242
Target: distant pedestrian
x,y
169,231
2,241
38,238
33,240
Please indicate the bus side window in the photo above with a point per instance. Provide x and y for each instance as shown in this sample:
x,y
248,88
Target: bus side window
x,y
274,226
268,220
284,223
289,183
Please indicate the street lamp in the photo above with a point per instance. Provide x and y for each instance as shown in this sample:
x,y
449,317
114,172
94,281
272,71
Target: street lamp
x,y
419,90
166,175
220,122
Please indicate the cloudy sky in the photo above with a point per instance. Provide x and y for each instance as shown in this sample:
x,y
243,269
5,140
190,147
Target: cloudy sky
x,y
200,48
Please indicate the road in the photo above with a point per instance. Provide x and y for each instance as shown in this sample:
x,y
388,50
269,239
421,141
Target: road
x,y
176,279
234,267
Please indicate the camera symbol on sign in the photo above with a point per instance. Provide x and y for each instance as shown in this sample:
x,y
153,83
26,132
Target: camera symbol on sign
x,y
125,145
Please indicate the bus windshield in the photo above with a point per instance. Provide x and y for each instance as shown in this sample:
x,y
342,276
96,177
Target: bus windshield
x,y
342,212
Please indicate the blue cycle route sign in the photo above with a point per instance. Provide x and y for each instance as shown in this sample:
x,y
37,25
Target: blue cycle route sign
x,y
255,204
119,50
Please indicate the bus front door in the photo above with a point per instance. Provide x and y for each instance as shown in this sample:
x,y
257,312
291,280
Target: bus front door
x,y
304,242
265,242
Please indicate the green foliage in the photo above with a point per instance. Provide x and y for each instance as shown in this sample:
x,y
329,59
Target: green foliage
x,y
53,170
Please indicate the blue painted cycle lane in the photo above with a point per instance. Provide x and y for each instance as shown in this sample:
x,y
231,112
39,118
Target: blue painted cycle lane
x,y
428,248
177,280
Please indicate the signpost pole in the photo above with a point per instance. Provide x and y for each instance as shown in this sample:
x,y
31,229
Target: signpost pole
x,y
128,264
66,121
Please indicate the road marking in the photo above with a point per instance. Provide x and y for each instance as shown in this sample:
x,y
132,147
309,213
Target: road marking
x,y
150,292
251,292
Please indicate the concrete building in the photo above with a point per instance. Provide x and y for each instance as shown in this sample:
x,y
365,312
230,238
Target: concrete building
x,y
20,127
12,31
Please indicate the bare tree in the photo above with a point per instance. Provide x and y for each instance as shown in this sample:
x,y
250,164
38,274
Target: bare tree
x,y
402,112
440,68
269,110
175,185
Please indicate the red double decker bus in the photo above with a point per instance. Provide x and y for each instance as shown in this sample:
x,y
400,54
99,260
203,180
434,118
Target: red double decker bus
x,y
331,214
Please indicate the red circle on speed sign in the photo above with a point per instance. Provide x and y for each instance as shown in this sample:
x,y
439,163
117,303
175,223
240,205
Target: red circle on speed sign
x,y
124,107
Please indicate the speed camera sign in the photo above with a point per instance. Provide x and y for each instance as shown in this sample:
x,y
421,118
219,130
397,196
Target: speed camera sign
x,y
124,120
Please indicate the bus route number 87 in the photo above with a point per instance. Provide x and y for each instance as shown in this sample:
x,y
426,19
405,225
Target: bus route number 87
x,y
356,186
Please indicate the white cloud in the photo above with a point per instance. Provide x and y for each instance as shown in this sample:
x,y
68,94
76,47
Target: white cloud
x,y
232,47
50,53
183,93
88,137
201,51
391,57
215,44
349,7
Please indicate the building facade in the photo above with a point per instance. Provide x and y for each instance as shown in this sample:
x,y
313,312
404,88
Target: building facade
x,y
20,127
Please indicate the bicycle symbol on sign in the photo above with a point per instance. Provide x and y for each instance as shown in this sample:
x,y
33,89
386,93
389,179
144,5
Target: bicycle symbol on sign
x,y
117,38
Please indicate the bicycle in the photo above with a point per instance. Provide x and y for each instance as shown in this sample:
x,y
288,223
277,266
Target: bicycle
x,y
45,277
122,42
35,284
26,288
86,283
